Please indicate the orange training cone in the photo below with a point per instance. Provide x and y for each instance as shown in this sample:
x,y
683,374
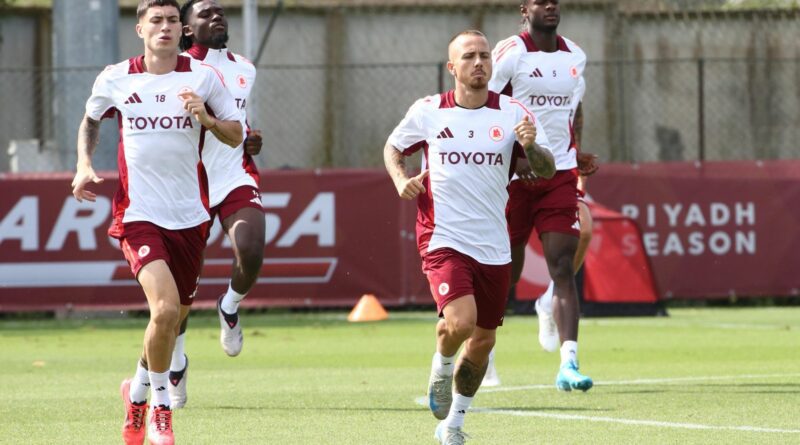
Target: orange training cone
x,y
368,308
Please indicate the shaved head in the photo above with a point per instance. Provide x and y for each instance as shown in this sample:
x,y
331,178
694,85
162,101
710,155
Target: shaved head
x,y
453,47
470,59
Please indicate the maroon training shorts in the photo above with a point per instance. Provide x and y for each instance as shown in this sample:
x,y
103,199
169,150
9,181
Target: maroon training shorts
x,y
453,275
143,242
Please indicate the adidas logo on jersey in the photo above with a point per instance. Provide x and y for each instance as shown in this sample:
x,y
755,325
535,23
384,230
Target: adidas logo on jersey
x,y
445,134
536,73
134,99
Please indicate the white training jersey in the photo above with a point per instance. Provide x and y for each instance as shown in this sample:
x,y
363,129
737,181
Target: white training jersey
x,y
228,168
161,176
470,154
551,85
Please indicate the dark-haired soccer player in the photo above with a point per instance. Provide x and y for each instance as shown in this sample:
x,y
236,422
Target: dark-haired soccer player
x,y
234,196
160,214
544,71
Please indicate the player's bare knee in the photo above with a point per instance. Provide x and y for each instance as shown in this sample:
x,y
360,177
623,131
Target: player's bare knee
x,y
251,257
165,315
461,328
562,269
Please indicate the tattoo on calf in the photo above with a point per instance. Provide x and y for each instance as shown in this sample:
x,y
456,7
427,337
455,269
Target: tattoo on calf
x,y
468,377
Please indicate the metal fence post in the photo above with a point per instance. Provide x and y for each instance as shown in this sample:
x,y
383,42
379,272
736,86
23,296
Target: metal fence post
x,y
625,152
701,112
333,76
78,25
440,80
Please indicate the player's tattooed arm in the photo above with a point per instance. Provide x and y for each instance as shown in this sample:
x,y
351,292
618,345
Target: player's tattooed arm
x,y
541,159
395,162
468,377
88,138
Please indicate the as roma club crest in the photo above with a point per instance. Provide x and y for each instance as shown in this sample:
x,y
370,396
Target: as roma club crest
x,y
496,133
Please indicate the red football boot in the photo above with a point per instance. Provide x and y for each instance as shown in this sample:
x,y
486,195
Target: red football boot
x,y
159,429
133,429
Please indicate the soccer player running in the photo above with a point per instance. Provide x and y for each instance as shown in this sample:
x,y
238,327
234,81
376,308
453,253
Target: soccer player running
x,y
232,181
471,138
544,71
160,210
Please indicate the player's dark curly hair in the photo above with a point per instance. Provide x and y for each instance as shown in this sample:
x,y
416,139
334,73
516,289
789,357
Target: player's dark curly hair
x,y
186,41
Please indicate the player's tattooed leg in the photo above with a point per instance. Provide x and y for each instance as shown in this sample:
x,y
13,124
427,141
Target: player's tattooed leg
x,y
469,377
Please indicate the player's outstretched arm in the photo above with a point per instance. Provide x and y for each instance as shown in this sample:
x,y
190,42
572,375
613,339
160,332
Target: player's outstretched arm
x,y
88,138
541,159
407,188
227,132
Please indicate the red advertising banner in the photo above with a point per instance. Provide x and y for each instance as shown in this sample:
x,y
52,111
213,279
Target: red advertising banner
x,y
712,229
616,267
332,236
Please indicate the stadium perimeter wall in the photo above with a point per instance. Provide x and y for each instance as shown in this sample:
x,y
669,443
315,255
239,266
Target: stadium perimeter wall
x,y
711,230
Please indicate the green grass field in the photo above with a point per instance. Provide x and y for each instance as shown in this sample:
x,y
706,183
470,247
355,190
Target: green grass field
x,y
700,376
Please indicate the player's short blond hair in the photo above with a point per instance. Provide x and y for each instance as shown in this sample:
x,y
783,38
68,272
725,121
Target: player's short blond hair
x,y
468,32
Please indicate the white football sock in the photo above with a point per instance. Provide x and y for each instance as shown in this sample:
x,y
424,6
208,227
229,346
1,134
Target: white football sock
x,y
455,418
443,366
178,354
230,302
159,382
547,299
569,351
140,383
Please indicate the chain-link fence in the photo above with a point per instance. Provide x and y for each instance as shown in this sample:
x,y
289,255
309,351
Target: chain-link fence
x,y
340,116
698,109
39,119
665,82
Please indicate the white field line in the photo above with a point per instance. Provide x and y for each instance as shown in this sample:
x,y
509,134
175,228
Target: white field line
x,y
423,401
688,324
654,423
664,381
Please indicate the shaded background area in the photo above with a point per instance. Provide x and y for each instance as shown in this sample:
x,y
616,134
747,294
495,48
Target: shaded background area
x,y
667,80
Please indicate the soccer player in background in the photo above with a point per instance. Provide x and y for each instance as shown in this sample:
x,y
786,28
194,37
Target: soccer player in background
x,y
470,137
160,211
234,196
544,71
